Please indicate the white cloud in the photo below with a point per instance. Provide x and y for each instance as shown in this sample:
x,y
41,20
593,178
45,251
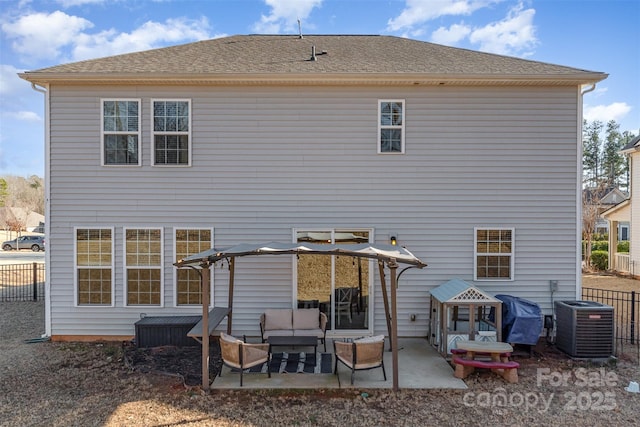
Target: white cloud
x,y
418,12
25,116
514,35
614,111
43,35
284,15
600,91
10,83
69,3
451,35
64,37
148,36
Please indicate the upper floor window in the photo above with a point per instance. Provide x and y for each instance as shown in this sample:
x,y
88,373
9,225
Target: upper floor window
x,y
121,132
171,132
494,253
391,126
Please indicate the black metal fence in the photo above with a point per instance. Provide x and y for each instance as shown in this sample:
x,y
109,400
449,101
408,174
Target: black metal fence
x,y
626,307
22,282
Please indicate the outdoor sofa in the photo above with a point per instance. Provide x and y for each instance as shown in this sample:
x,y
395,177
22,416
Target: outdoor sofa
x,y
294,322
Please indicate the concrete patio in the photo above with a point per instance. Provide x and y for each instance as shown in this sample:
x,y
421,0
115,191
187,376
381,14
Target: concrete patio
x,y
420,367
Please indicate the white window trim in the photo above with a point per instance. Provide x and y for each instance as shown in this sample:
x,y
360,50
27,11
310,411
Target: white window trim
x,y
476,253
125,267
138,133
371,284
175,271
154,132
76,266
402,128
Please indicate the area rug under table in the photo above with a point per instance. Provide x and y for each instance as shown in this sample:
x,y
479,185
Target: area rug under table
x,y
309,363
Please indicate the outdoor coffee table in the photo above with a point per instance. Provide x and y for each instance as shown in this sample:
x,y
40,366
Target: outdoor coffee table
x,y
293,341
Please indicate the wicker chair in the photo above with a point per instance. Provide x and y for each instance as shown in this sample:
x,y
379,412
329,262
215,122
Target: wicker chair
x,y
241,355
363,353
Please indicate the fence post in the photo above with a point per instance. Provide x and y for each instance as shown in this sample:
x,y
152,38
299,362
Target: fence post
x,y
35,281
633,316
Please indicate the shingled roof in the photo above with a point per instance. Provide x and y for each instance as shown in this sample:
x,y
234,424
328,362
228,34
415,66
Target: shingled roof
x,y
337,57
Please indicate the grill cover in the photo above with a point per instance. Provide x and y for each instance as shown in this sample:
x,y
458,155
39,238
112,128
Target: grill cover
x,y
522,320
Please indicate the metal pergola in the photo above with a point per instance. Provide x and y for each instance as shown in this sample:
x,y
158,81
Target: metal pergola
x,y
385,254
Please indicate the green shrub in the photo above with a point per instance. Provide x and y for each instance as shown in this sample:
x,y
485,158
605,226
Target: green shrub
x,y
623,246
600,245
600,259
596,245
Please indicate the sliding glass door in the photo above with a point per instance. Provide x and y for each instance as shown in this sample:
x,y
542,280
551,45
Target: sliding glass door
x,y
338,285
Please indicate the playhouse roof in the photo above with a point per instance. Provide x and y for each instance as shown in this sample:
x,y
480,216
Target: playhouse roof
x,y
459,291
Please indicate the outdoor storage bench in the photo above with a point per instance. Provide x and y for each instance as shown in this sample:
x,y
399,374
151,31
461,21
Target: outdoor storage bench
x,y
293,322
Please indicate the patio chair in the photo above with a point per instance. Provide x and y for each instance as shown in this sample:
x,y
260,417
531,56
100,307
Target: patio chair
x,y
346,299
363,353
238,354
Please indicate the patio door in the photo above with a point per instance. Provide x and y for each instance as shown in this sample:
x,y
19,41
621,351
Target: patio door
x,y
339,286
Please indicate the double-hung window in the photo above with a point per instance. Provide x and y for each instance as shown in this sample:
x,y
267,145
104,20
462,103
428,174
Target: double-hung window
x,y
494,253
189,241
171,132
143,266
121,132
391,126
94,266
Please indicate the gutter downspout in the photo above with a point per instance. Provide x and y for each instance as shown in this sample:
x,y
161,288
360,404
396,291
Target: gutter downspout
x,y
579,200
47,207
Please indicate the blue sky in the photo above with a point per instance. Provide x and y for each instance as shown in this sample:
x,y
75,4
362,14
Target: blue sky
x,y
597,35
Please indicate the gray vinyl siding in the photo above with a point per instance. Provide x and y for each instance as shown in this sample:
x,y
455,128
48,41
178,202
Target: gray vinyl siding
x,y
267,160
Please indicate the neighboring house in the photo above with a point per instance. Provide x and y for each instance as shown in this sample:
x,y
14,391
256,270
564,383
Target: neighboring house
x,y
470,160
11,217
611,199
605,199
627,212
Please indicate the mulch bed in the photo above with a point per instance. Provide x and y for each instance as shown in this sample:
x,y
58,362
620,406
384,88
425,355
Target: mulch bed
x,y
181,362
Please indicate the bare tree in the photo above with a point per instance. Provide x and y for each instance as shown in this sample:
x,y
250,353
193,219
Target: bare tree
x,y
591,209
25,193
20,196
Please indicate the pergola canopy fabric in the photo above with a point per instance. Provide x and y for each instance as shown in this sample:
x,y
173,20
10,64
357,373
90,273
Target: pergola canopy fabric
x,y
381,252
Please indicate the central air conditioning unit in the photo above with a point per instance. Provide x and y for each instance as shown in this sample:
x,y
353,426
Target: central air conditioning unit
x,y
584,329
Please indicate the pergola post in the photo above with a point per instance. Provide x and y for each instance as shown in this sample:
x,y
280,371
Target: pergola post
x,y
232,269
205,283
393,266
385,300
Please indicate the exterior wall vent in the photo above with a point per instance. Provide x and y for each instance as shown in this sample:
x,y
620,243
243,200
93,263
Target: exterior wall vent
x,y
584,329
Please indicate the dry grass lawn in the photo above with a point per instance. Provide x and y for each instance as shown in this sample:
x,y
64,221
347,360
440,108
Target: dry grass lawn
x,y
84,384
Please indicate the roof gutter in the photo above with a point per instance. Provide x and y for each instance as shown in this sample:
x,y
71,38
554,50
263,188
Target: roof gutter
x,y
591,89
312,78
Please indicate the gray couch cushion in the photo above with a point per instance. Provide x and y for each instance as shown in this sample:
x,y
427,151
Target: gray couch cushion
x,y
306,318
275,319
